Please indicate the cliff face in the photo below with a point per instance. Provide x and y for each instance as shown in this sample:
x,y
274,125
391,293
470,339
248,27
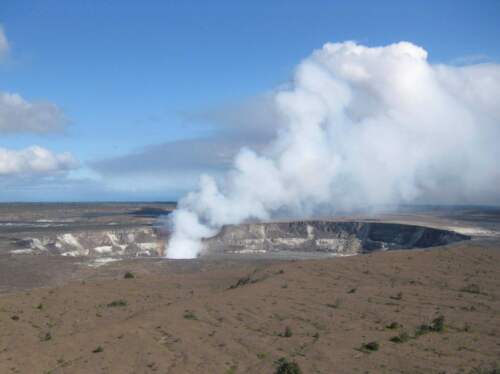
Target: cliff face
x,y
131,242
343,238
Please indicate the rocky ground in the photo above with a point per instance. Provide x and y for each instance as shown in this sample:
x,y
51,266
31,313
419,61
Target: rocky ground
x,y
413,311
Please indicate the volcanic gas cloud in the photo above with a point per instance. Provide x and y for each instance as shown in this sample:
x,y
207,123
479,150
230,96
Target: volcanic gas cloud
x,y
361,127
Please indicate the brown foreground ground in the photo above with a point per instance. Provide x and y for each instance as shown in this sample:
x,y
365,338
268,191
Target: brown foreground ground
x,y
241,315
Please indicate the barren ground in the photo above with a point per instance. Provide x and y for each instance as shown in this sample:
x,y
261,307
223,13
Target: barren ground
x,y
192,321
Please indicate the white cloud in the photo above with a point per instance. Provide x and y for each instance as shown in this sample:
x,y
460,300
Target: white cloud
x,y
34,161
18,115
4,43
363,127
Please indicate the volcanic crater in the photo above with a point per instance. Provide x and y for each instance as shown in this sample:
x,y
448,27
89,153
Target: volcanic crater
x,y
342,238
314,236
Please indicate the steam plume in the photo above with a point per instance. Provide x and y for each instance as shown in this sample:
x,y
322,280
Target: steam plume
x,y
361,127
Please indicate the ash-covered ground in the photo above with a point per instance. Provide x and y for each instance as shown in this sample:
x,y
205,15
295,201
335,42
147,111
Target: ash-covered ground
x,y
65,307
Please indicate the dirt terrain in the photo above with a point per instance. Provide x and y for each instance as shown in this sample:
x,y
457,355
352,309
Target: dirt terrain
x,y
236,315
407,311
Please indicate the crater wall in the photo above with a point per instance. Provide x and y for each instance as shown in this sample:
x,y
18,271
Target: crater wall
x,y
130,242
342,238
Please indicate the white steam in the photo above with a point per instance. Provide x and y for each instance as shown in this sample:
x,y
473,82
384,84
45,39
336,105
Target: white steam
x,y
362,127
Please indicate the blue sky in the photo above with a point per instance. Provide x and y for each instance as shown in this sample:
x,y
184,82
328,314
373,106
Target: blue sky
x,y
136,80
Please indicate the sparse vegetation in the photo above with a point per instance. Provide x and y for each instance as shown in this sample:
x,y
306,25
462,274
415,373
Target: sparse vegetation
x,y
39,306
46,337
188,314
117,303
493,369
471,288
242,282
352,290
129,275
401,338
472,308
437,325
370,347
15,318
393,326
261,355
287,333
287,367
421,330
98,349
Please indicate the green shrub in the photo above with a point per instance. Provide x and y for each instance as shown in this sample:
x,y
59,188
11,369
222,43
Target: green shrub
x,y
242,282
190,315
129,275
370,347
401,338
421,330
393,326
287,367
437,325
117,303
288,332
99,349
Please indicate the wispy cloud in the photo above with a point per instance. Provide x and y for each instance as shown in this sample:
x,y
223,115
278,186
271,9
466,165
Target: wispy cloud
x,y
18,115
4,43
470,60
250,123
